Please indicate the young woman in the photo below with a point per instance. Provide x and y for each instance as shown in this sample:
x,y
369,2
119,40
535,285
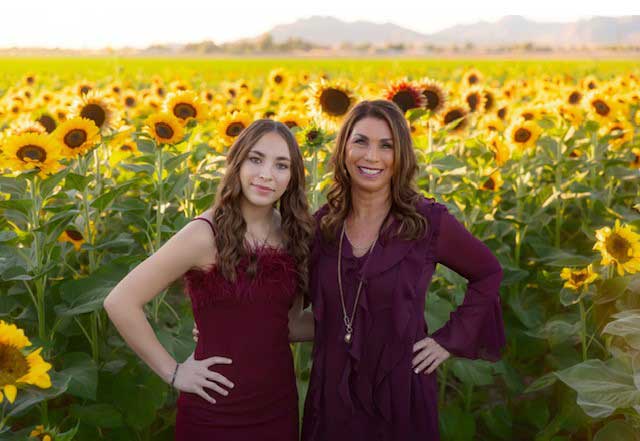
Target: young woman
x,y
376,247
245,264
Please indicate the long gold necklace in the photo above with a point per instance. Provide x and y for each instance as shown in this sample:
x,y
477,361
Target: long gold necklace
x,y
348,320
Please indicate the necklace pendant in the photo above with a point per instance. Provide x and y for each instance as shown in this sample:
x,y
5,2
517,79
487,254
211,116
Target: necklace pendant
x,y
347,338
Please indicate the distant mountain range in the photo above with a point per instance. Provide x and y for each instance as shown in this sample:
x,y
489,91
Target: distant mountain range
x,y
512,29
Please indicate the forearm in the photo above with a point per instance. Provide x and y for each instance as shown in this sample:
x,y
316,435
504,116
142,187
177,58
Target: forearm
x,y
302,327
132,324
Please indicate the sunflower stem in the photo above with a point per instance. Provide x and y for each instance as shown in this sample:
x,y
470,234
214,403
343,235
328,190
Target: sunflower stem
x,y
314,174
583,329
432,179
443,382
558,189
36,263
157,301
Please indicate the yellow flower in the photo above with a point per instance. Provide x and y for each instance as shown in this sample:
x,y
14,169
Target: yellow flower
x,y
278,78
330,101
600,107
493,182
635,163
32,150
455,112
435,95
76,136
522,135
164,128
577,279
475,99
42,434
230,126
292,119
619,132
406,94
186,105
472,77
96,107
72,236
15,367
619,246
500,150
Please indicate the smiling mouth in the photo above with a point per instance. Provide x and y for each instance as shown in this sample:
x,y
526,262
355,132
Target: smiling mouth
x,y
370,171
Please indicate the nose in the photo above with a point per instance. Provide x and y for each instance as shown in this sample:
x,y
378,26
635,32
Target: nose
x,y
372,154
265,174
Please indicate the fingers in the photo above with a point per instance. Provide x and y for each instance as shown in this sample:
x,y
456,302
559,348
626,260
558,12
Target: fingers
x,y
200,391
213,386
424,343
217,360
426,362
195,334
219,378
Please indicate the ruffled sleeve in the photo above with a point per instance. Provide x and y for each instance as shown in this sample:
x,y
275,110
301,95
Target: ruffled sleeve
x,y
475,329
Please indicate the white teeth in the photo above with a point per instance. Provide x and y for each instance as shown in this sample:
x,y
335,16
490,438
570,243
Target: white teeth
x,y
369,171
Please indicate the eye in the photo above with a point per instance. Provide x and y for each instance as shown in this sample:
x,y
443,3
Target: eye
x,y
254,159
282,166
387,146
359,141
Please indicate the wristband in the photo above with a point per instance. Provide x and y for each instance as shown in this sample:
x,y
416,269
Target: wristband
x,y
175,371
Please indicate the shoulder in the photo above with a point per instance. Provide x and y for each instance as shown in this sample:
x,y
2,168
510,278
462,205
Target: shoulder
x,y
199,236
429,208
321,212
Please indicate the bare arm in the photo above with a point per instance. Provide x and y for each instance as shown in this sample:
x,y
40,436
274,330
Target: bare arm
x,y
301,323
188,248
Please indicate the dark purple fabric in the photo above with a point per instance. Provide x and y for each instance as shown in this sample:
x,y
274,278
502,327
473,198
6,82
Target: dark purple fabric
x,y
246,321
368,390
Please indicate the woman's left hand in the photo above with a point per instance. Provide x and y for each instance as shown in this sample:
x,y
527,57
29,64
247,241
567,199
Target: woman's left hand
x,y
428,355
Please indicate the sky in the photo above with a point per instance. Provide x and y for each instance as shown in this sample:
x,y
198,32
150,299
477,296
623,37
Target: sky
x,y
86,24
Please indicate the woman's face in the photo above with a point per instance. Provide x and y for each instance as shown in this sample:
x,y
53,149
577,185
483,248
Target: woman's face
x,y
370,155
266,171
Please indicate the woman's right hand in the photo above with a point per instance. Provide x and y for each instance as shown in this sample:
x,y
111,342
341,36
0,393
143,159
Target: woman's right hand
x,y
194,376
195,333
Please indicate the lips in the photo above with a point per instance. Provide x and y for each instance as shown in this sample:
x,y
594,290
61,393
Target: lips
x,y
263,189
370,171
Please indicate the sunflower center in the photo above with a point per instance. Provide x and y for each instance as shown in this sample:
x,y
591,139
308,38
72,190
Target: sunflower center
x,y
47,122
490,184
522,135
473,101
616,132
126,148
601,107
269,114
312,135
32,152
489,101
502,112
277,79
334,102
184,111
13,365
75,138
575,97
73,234
578,277
452,115
618,247
164,130
85,90
473,79
129,101
234,129
433,99
291,124
405,100
95,113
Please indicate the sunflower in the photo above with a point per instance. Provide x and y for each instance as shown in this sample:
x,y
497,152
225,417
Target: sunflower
x,y
101,110
475,99
29,79
589,83
619,246
435,95
574,96
456,115
32,150
185,105
493,182
47,121
472,77
164,128
619,133
600,107
230,126
522,135
292,119
23,125
330,101
83,88
130,99
17,368
573,114
76,136
502,110
635,162
72,236
578,279
406,94
278,78
491,123
500,150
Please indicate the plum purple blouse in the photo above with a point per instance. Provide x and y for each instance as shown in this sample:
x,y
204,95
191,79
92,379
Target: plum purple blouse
x,y
367,390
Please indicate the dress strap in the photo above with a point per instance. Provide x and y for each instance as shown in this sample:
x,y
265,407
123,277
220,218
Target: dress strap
x,y
207,221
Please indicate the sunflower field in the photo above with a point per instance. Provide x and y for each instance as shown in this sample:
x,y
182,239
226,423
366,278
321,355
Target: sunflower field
x,y
102,160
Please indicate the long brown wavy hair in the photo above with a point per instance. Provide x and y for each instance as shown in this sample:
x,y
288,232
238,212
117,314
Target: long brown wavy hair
x,y
404,192
297,223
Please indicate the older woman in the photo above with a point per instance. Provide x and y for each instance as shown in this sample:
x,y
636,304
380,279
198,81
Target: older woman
x,y
376,248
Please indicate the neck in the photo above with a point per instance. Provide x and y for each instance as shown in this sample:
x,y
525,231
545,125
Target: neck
x,y
367,205
258,218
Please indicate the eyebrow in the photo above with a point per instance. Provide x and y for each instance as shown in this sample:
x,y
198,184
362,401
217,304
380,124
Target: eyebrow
x,y
367,138
262,155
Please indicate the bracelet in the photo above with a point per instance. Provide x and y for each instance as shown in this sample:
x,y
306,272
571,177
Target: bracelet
x,y
175,371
